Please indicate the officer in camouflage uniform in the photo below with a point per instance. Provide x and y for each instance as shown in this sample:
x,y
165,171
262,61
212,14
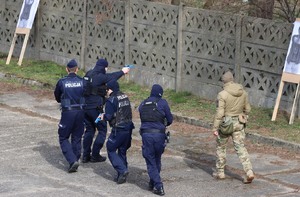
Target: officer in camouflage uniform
x,y
232,104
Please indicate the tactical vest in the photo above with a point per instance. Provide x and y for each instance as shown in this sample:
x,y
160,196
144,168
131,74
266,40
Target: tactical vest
x,y
150,113
72,94
89,89
124,113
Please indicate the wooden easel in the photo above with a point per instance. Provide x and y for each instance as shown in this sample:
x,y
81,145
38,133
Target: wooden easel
x,y
22,31
291,78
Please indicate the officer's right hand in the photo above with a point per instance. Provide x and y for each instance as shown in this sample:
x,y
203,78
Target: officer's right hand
x,y
125,70
216,133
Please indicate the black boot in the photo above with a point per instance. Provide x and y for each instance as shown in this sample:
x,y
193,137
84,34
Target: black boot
x,y
73,167
150,186
86,159
160,191
98,158
122,177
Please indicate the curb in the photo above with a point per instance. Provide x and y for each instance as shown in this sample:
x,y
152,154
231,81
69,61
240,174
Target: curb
x,y
273,141
250,134
191,120
23,80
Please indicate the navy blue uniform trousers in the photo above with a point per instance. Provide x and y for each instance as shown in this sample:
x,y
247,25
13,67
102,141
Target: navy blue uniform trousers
x,y
89,120
71,125
152,149
117,145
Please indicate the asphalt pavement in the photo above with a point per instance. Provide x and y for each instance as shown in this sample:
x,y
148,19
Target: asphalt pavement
x,y
32,163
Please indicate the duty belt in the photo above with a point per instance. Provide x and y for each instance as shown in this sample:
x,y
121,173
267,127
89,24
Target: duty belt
x,y
152,131
71,108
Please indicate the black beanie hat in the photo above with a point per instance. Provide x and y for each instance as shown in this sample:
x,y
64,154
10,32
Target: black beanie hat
x,y
100,66
157,90
113,85
102,63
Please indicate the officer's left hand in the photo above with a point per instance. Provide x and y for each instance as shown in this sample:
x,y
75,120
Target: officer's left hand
x,y
102,116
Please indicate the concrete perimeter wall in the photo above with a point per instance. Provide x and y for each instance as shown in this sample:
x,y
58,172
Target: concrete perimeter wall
x,y
181,48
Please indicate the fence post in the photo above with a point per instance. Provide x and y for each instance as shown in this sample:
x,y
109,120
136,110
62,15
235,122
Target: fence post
x,y
238,41
83,36
127,34
37,33
127,31
178,77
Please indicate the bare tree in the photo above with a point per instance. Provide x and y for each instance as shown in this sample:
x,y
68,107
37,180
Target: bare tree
x,y
286,10
262,8
289,10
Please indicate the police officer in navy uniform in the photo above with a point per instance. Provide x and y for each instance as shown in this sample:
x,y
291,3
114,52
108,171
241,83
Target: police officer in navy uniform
x,y
69,93
95,91
155,115
118,113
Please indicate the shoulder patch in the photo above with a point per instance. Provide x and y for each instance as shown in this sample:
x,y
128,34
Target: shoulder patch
x,y
111,99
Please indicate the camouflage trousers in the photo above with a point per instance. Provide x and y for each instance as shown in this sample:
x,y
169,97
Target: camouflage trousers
x,y
238,137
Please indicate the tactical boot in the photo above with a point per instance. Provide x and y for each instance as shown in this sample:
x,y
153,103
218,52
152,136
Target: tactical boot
x,y
73,167
116,178
86,159
160,191
219,175
249,177
122,177
150,185
97,158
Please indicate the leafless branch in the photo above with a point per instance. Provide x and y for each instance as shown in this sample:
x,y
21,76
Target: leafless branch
x,y
287,9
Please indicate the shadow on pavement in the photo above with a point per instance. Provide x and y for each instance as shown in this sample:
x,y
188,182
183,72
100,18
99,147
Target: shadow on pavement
x,y
206,162
52,155
137,176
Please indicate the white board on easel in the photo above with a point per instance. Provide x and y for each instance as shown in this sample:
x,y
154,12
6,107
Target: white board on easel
x,y
291,71
24,26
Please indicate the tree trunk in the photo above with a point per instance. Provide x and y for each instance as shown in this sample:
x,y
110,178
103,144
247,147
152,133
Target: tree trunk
x,y
268,7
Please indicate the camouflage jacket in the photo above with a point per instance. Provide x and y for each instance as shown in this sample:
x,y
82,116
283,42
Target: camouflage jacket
x,y
232,101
